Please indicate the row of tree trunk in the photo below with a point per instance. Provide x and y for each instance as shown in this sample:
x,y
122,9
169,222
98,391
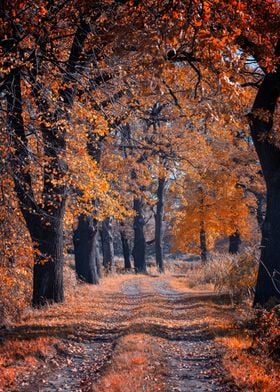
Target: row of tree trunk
x,y
86,244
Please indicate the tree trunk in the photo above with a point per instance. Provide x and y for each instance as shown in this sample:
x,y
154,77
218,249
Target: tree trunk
x,y
268,287
234,242
202,233
139,249
260,209
126,252
98,256
85,247
203,246
45,223
107,244
47,239
158,224
261,123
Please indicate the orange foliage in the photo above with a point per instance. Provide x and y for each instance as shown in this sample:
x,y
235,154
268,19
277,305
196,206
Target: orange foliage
x,y
137,355
19,356
215,204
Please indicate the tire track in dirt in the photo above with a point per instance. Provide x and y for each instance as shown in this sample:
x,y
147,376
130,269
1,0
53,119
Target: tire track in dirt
x,y
194,361
89,349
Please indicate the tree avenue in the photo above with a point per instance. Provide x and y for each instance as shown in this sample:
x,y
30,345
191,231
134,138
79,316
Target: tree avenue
x,y
113,112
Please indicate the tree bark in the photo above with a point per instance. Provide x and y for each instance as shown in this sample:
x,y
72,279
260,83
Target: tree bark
x,y
125,247
234,242
85,247
202,232
158,224
47,240
107,244
98,257
260,208
261,124
203,246
139,248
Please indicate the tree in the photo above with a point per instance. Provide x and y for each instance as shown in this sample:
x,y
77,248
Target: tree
x,y
46,230
252,27
207,58
213,207
261,123
85,235
139,248
43,202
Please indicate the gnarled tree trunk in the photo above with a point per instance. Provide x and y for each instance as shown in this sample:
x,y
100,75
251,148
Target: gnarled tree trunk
x,y
85,246
47,238
261,123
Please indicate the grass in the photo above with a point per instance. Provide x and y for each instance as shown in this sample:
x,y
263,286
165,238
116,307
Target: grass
x,y
19,357
250,372
136,366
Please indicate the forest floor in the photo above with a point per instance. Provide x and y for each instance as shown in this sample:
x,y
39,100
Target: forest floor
x,y
129,334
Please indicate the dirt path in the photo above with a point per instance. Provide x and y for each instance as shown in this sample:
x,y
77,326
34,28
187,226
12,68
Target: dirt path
x,y
194,361
176,352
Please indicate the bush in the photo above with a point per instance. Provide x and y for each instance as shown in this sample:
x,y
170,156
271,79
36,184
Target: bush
x,y
234,274
15,291
267,332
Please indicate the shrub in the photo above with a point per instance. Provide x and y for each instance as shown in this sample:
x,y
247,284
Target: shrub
x,y
15,291
234,274
267,332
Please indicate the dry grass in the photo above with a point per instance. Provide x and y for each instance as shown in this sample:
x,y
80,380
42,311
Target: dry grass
x,y
136,366
192,281
224,273
21,356
250,372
